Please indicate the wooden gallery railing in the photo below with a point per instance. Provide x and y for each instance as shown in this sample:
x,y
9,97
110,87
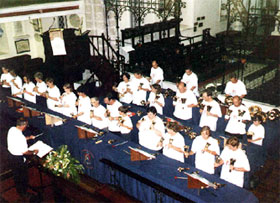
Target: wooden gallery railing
x,y
101,47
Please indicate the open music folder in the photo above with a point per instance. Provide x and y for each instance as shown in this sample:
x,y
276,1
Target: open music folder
x,y
42,147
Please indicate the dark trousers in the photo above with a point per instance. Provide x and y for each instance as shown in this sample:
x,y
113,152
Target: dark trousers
x,y
20,173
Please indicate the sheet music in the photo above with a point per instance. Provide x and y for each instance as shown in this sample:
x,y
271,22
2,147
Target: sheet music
x,y
42,147
143,152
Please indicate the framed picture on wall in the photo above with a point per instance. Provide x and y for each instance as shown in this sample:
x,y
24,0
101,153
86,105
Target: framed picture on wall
x,y
22,46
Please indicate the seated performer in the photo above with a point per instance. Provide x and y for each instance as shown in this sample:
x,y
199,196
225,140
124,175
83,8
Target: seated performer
x,y
191,80
124,89
205,149
151,129
210,112
16,84
17,147
68,101
184,101
41,86
257,130
27,89
235,163
173,142
97,114
140,87
112,112
156,74
156,99
52,95
125,123
84,106
238,116
235,87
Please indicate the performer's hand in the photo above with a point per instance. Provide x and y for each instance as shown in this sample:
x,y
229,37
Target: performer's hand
x,y
249,140
170,146
231,167
208,113
32,137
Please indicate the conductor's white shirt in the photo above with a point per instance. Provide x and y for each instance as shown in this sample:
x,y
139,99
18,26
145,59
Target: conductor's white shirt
x,y
17,144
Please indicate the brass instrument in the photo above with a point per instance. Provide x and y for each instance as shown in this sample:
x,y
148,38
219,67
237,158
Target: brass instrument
x,y
171,141
209,108
241,113
250,135
263,115
254,110
228,112
206,146
139,113
229,100
143,103
192,135
231,163
183,100
218,159
180,169
273,114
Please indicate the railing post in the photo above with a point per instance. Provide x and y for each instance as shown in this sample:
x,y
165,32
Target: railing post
x,y
103,45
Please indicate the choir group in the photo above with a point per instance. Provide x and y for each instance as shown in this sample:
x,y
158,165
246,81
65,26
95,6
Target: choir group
x,y
153,134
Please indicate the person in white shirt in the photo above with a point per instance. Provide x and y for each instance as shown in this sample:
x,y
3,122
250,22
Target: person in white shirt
x,y
17,147
156,99
184,101
41,86
151,130
97,114
173,142
6,78
205,149
124,89
235,87
191,80
27,89
257,131
125,123
211,111
156,74
140,87
84,106
68,101
112,112
16,84
52,95
238,117
234,161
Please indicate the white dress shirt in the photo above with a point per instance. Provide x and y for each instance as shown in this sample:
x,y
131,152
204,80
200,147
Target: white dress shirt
x,y
29,88
6,77
147,136
84,106
178,141
53,92
182,110
113,125
99,112
70,100
234,177
17,144
259,132
139,95
122,88
235,124
156,74
210,121
235,89
152,98
14,89
204,160
191,80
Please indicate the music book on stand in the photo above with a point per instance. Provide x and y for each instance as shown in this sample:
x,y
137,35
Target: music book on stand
x,y
30,112
43,148
53,120
140,155
196,181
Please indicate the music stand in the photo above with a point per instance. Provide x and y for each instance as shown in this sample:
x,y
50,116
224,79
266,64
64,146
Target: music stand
x,y
139,155
30,112
14,102
86,133
52,120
